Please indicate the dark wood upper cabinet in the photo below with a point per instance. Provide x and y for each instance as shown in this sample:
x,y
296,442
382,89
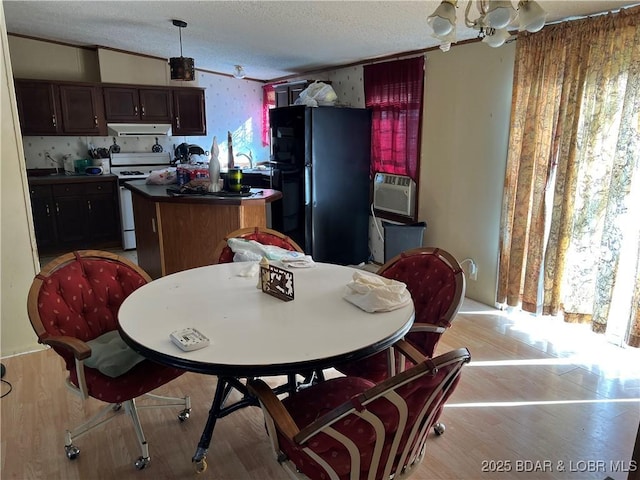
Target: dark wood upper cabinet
x,y
38,107
121,104
189,112
155,105
81,108
72,108
56,108
131,104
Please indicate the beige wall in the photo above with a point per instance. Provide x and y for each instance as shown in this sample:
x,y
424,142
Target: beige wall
x,y
51,61
464,149
120,67
467,106
18,260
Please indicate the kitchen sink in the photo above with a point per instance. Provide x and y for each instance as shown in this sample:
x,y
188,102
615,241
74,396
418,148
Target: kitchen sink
x,y
264,170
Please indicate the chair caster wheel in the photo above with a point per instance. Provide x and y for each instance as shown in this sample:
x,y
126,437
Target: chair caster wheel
x,y
200,465
438,428
72,451
184,414
142,462
116,407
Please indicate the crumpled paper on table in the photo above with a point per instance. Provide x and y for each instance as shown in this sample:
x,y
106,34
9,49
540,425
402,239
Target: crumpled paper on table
x,y
250,270
373,293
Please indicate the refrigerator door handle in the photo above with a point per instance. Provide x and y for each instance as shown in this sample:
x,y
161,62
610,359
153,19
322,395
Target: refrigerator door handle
x,y
307,184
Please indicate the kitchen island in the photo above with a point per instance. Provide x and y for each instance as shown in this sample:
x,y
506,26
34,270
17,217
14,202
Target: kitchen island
x,y
175,233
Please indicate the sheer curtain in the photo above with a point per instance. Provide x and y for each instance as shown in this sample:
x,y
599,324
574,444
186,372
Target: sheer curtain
x,y
393,92
268,102
570,232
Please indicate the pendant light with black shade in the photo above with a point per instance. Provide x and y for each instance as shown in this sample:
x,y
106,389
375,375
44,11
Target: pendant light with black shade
x,y
182,68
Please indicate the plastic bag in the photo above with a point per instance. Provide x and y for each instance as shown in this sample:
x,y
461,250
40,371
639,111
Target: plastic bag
x,y
249,250
164,176
318,93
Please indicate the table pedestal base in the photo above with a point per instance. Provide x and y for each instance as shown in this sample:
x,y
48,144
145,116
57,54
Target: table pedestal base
x,y
218,410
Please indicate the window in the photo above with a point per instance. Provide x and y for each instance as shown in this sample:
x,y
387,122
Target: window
x,y
394,91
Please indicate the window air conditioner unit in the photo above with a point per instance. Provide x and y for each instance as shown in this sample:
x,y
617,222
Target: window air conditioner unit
x,y
394,193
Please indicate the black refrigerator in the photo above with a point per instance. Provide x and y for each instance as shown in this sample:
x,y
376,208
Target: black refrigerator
x,y
321,162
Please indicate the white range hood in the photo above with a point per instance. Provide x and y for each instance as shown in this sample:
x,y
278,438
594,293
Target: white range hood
x,y
139,129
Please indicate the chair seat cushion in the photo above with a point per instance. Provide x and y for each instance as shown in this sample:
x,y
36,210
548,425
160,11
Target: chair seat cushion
x,y
143,378
111,355
310,403
373,368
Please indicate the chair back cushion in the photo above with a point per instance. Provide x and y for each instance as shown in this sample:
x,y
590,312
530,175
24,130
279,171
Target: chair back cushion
x,y
405,409
432,284
436,283
81,299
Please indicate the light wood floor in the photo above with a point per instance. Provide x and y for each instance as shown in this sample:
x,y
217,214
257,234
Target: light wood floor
x,y
536,394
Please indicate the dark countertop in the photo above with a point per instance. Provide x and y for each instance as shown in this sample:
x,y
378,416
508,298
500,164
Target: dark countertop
x,y
51,179
158,193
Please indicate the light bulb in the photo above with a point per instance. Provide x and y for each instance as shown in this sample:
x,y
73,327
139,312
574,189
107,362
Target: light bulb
x,y
497,39
443,19
531,16
441,26
500,14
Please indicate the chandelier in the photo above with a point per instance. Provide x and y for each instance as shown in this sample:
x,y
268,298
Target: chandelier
x,y
494,16
181,67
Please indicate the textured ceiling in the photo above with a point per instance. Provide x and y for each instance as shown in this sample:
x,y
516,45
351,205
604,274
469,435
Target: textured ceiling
x,y
271,39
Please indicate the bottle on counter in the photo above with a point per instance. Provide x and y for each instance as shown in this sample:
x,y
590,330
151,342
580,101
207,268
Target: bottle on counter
x,y
214,167
262,279
230,160
234,179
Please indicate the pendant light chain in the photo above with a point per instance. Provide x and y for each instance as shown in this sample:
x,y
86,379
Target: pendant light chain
x,y
180,30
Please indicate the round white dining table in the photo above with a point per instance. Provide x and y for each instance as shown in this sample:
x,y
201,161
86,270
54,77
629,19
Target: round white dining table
x,y
252,333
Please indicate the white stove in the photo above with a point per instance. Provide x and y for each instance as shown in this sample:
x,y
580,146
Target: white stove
x,y
133,166
137,166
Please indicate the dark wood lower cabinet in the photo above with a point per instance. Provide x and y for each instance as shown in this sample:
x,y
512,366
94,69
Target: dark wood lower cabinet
x,y
44,218
78,213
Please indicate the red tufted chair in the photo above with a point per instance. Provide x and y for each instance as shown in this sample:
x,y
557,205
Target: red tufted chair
x,y
265,236
74,300
437,284
350,428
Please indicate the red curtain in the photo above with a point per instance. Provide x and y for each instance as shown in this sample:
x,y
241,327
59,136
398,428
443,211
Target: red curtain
x,y
393,92
268,102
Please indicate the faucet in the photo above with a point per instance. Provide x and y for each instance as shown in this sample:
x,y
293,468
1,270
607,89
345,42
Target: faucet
x,y
53,162
249,157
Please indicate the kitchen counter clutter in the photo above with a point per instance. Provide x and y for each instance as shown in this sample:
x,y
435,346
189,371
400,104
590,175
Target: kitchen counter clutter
x,y
74,211
175,233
